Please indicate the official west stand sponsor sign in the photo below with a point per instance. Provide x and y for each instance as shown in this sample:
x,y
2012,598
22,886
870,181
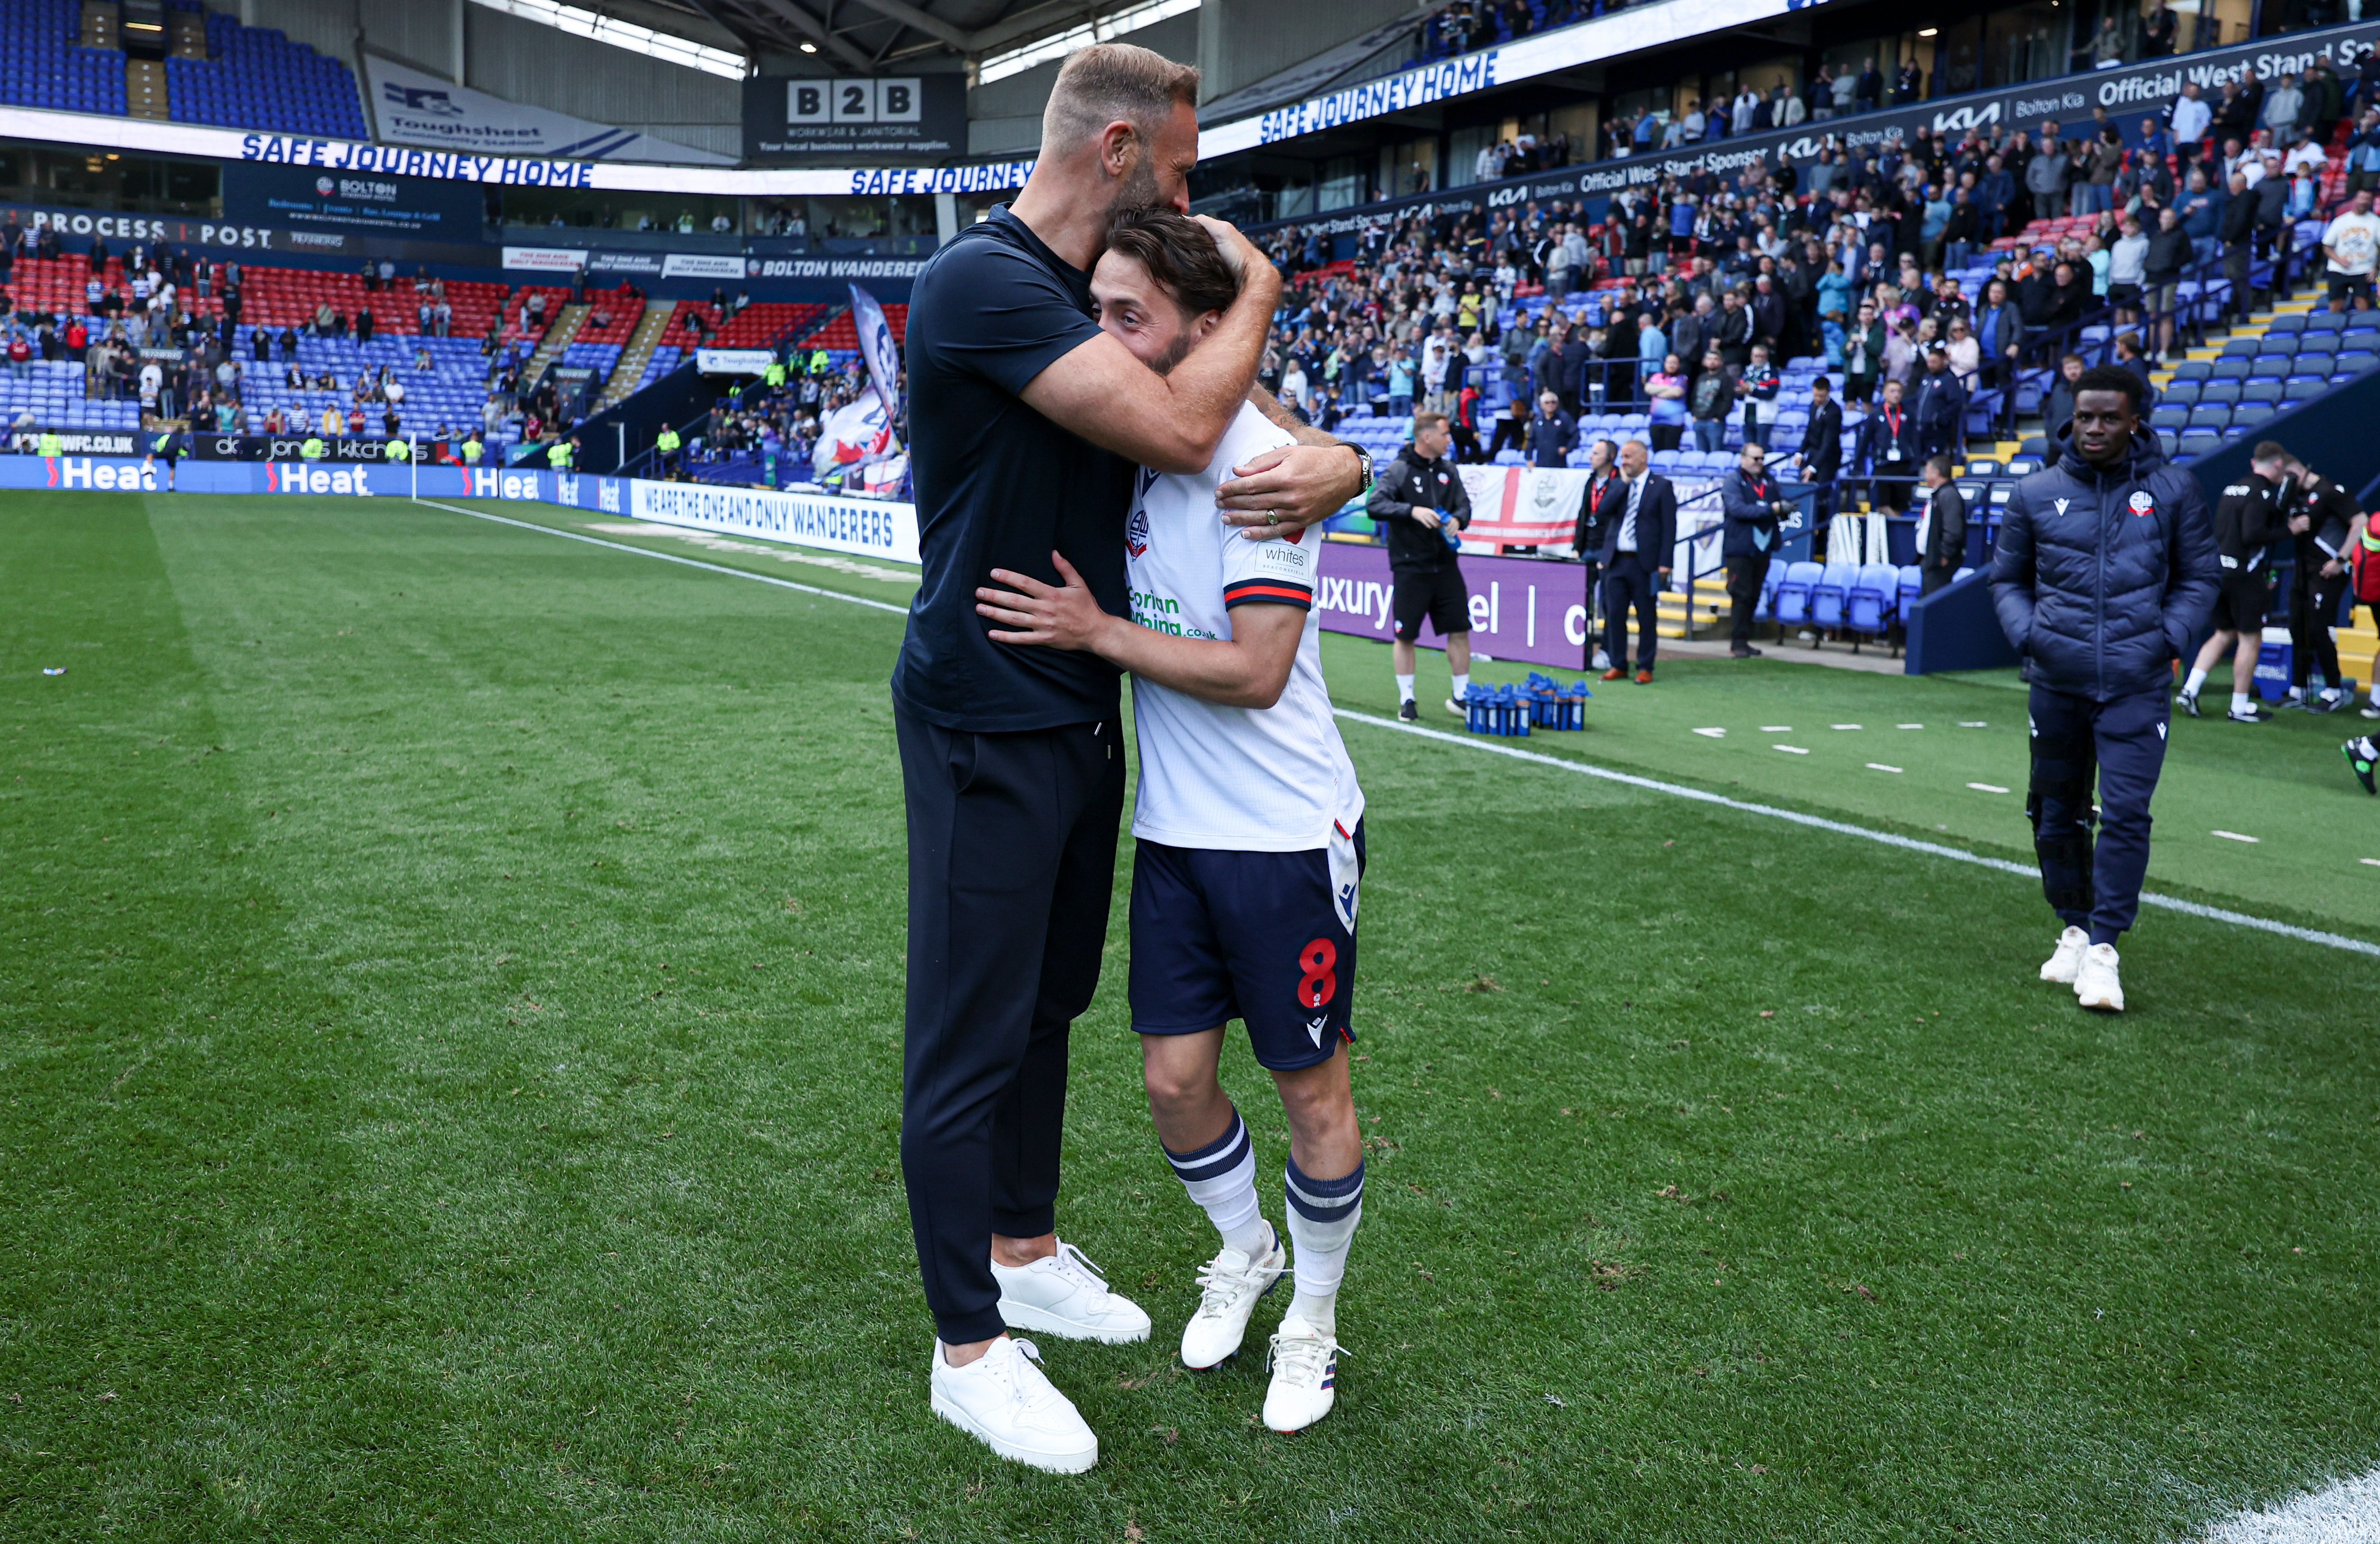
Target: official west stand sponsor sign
x,y
2128,95
869,528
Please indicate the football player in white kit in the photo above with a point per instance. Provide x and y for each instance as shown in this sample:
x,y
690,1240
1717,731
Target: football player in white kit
x,y
1249,830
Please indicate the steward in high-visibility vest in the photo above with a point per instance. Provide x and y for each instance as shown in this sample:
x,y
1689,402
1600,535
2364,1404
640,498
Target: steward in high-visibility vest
x,y
667,442
558,456
820,363
471,450
50,443
775,374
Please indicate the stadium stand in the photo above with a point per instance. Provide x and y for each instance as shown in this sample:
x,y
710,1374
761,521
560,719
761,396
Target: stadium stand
x,y
255,78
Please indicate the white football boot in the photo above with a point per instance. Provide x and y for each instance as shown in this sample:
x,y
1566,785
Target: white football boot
x,y
2095,985
2060,967
1304,1374
1229,1286
1063,1295
1004,1401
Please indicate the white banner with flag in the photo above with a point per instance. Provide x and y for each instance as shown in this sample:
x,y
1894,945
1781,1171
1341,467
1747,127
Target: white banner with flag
x,y
854,435
415,108
876,345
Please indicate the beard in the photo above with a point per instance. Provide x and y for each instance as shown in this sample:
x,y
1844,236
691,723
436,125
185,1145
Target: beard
x,y
1138,189
1175,354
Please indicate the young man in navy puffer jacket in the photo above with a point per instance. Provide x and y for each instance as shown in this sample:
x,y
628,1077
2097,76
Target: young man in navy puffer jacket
x,y
2106,571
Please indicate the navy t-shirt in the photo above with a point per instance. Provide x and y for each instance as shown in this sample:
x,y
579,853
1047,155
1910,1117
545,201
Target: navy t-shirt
x,y
999,486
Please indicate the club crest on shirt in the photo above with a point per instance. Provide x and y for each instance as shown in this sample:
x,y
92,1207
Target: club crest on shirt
x,y
2142,504
1136,532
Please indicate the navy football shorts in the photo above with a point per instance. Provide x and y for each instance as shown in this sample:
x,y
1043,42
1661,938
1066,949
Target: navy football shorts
x,y
1253,936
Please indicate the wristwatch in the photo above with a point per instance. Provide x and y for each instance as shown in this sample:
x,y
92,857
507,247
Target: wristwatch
x,y
1364,457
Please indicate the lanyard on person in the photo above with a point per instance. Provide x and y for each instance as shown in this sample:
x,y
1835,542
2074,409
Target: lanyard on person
x,y
1892,429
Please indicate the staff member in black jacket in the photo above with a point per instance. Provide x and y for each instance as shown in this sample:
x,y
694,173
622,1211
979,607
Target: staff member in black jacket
x,y
1586,541
1942,534
1419,503
2323,516
1754,512
1640,530
1821,456
2248,521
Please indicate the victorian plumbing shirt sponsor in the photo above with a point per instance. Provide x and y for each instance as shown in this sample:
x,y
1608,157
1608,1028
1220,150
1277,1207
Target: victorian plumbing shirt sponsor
x,y
1274,779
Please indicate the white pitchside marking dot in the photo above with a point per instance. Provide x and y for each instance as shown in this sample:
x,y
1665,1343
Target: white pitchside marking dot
x,y
2235,836
2347,1512
1879,766
1791,749
1712,733
1988,787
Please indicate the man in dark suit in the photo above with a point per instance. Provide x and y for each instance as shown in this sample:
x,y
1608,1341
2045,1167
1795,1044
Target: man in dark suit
x,y
1941,406
1550,432
1889,446
1821,456
1942,534
1640,529
1755,510
1586,541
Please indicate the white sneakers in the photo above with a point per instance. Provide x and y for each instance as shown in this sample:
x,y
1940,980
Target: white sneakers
x,y
2095,985
2060,967
1229,1286
2089,969
1063,1295
1003,1400
1305,1376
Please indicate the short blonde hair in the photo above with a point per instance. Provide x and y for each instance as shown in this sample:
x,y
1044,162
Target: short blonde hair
x,y
1111,80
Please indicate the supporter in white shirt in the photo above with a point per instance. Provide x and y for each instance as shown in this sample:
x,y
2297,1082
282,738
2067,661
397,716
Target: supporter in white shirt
x,y
2351,242
2190,117
2306,154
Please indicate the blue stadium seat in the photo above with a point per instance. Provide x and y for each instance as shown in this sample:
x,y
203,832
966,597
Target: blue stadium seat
x,y
2208,415
2290,323
2192,369
2241,349
1791,602
2304,388
2327,322
2198,442
2355,361
2229,370
2312,361
2170,416
2169,441
1912,585
1871,603
2024,466
2249,415
2220,391
2279,343
1982,465
1831,594
2178,394
2266,391
2271,367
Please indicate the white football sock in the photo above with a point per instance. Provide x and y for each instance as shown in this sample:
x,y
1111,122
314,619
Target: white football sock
x,y
1322,1218
1404,688
2239,701
1462,686
2197,679
1221,1176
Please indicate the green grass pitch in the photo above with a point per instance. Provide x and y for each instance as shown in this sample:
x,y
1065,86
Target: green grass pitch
x,y
449,1014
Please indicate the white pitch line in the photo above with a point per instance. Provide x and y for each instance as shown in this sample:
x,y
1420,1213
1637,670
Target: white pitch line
x,y
669,557
2345,1513
1789,750
2235,836
1845,828
1988,787
1817,822
1879,766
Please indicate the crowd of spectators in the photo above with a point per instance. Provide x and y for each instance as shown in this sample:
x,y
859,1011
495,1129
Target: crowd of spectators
x,y
1686,297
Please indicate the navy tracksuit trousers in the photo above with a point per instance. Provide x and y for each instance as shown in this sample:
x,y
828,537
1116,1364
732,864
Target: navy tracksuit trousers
x,y
2119,745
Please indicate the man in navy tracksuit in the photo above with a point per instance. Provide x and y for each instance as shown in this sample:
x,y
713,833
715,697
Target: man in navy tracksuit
x,y
2106,571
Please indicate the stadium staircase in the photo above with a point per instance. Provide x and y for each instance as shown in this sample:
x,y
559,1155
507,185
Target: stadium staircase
x,y
558,334
629,374
144,89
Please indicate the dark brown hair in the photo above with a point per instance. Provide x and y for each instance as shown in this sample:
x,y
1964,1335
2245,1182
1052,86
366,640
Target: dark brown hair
x,y
1180,255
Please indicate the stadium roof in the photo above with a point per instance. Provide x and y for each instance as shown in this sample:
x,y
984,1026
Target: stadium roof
x,y
873,35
